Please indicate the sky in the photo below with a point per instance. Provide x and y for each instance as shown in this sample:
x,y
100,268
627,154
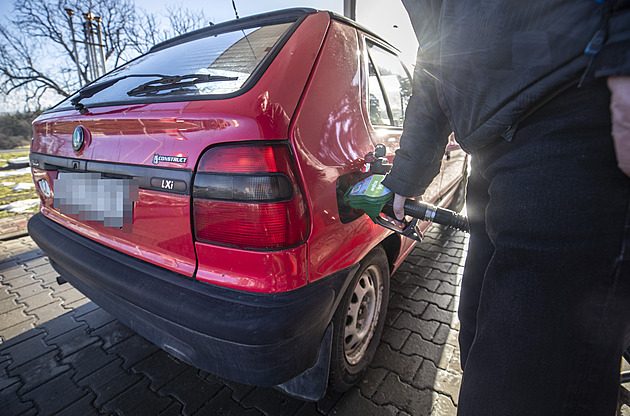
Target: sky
x,y
370,13
390,21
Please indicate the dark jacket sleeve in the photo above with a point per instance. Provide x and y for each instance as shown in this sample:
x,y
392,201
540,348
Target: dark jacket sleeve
x,y
614,56
424,138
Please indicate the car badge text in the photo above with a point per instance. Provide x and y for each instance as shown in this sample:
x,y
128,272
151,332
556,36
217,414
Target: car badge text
x,y
173,159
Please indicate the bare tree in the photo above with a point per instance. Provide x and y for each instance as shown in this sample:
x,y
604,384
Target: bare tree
x,y
38,55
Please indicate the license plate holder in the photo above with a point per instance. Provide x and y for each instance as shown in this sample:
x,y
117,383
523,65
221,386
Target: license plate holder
x,y
92,197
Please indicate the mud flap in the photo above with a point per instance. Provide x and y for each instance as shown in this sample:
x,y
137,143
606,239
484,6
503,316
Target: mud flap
x,y
312,383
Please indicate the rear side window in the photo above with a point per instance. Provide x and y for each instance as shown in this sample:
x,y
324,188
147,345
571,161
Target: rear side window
x,y
212,65
389,87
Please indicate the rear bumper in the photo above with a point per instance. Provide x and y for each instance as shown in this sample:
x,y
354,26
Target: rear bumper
x,y
252,338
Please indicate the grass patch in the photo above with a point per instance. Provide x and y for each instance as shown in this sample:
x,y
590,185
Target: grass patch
x,y
8,195
4,157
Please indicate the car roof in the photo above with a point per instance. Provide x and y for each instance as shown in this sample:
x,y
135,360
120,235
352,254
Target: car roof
x,y
263,19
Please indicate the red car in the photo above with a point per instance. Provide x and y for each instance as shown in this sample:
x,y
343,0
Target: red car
x,y
194,194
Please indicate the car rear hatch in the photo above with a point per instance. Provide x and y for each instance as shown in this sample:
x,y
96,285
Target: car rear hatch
x,y
117,162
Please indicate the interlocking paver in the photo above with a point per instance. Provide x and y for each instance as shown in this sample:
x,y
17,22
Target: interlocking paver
x,y
10,270
175,409
56,394
85,309
70,297
160,368
406,304
108,382
39,370
271,401
72,341
426,329
442,334
36,301
28,348
405,366
404,396
223,404
421,281
372,380
239,391
8,304
133,350
24,292
353,403
87,361
95,319
191,390
13,317
112,334
6,382
8,333
443,406
396,338
22,280
433,313
441,276
425,377
441,300
84,407
34,262
49,279
447,384
59,325
137,400
102,367
48,312
426,349
11,403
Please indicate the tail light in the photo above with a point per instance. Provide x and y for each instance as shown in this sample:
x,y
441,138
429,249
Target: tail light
x,y
247,196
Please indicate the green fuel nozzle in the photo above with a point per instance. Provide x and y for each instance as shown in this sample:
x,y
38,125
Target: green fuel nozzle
x,y
371,196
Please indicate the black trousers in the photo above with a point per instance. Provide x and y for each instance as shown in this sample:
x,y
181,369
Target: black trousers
x,y
545,298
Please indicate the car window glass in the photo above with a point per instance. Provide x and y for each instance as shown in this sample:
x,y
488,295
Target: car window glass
x,y
232,56
377,106
394,80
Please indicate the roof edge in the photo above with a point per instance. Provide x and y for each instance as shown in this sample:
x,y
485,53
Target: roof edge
x,y
275,17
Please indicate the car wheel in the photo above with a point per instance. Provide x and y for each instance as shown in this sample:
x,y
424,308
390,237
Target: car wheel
x,y
358,321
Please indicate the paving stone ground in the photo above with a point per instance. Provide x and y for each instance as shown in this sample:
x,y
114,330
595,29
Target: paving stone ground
x,y
62,354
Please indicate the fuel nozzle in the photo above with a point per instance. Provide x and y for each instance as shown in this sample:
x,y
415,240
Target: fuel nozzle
x,y
372,197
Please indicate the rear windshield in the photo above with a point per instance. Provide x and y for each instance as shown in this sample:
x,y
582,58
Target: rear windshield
x,y
211,66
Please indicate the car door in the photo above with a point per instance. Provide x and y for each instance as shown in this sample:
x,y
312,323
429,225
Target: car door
x,y
389,88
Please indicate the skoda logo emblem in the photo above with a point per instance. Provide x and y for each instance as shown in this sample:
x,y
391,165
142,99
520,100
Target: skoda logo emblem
x,y
78,138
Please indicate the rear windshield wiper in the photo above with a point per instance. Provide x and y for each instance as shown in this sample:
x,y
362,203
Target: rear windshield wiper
x,y
92,89
177,81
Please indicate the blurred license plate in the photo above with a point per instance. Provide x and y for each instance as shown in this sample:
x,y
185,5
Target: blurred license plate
x,y
94,198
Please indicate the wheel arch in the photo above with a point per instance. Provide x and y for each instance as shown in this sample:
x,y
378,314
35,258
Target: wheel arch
x,y
392,245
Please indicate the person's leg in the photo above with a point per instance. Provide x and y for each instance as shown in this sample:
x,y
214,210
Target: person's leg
x,y
554,303
479,254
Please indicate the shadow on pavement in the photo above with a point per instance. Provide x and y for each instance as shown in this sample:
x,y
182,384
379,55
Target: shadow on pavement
x,y
61,353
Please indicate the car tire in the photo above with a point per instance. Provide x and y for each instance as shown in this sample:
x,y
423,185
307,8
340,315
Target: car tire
x,y
358,321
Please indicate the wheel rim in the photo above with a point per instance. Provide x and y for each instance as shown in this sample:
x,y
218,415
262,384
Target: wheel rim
x,y
362,316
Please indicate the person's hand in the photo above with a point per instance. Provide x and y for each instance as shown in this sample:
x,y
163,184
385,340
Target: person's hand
x,y
620,110
399,207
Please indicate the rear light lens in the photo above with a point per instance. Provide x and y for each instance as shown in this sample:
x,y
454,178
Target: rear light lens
x,y
242,159
248,197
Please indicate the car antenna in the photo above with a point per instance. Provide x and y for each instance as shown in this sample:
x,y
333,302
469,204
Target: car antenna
x,y
235,12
